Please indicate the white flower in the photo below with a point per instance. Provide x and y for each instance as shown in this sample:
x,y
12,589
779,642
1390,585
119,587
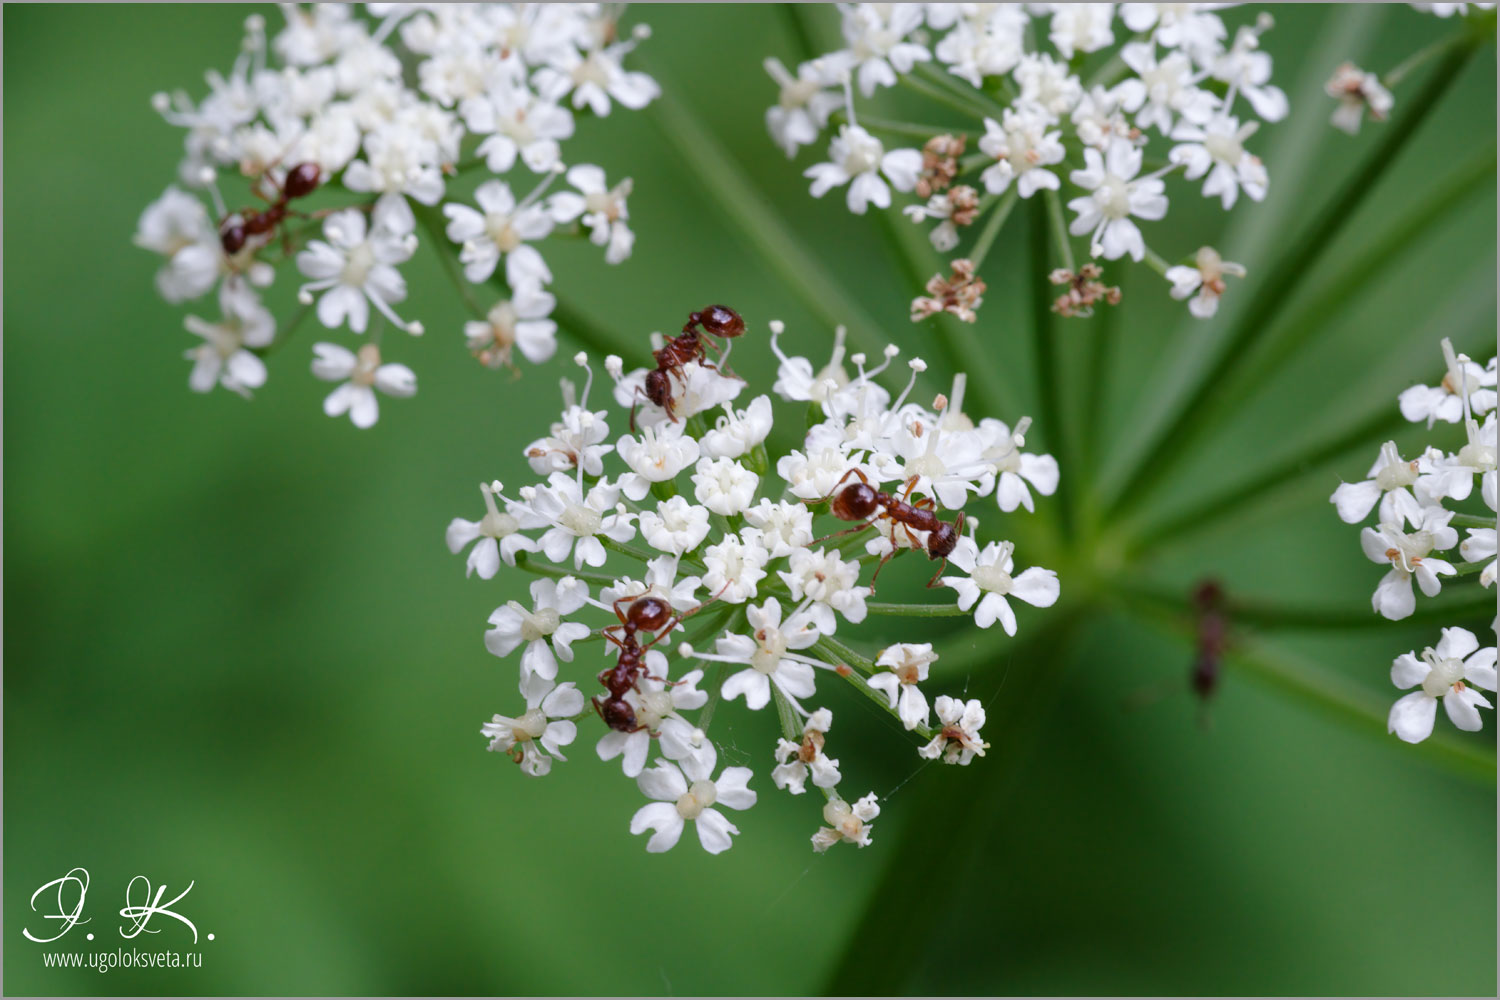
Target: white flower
x,y
769,653
814,475
734,566
784,527
738,431
660,453
398,161
519,322
544,728
357,267
803,105
661,581
1081,27
497,533
601,208
846,823
990,575
501,228
1016,468
958,742
364,374
515,122
830,583
1409,555
986,40
579,518
1023,149
689,793
177,226
796,762
594,79
1356,91
1162,90
1047,84
542,629
1445,401
658,706
876,34
906,666
575,441
723,485
1115,196
1217,149
1187,26
676,526
858,159
695,388
1206,277
1450,673
1388,484
223,358
1480,545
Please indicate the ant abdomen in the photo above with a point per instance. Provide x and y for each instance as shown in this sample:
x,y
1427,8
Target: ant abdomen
x,y
302,180
721,321
855,502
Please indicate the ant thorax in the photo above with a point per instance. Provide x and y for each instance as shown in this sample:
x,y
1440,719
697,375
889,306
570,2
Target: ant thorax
x,y
894,537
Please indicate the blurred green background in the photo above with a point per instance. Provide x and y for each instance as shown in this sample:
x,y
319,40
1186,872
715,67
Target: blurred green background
x,y
238,653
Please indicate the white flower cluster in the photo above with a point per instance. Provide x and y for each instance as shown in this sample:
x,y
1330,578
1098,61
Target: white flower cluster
x,y
1416,506
1169,98
387,112
754,565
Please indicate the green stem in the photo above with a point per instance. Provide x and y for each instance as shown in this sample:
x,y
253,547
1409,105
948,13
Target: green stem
x,y
790,727
985,105
762,228
284,333
1059,229
836,652
910,130
626,550
915,610
946,97
1470,568
524,563
1412,62
1292,268
1156,262
1049,374
1272,616
992,227
431,219
1472,521
1333,696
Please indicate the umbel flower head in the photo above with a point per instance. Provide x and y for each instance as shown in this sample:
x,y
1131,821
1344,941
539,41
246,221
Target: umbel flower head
x,y
356,138
703,563
1419,506
1068,103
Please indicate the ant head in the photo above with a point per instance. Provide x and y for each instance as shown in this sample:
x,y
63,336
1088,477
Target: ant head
x,y
854,502
649,614
942,541
721,321
302,180
618,715
658,387
232,239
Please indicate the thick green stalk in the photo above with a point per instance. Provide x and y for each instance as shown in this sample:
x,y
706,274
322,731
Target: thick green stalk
x,y
524,563
430,218
992,226
1287,276
915,610
1472,521
1049,374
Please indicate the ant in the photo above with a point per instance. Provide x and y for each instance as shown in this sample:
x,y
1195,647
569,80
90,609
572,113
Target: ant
x,y
300,182
862,502
1213,626
717,321
645,614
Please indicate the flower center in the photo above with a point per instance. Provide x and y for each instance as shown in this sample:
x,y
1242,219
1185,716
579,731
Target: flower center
x,y
655,706
771,644
863,155
530,726
992,578
699,797
1444,674
537,624
357,267
1224,148
502,233
581,521
1113,197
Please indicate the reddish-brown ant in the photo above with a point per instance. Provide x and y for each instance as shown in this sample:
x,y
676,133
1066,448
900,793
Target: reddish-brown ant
x,y
862,502
645,614
300,182
717,321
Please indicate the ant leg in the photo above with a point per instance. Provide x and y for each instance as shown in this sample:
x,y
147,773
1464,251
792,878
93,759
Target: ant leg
x,y
846,531
608,632
618,601
906,489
